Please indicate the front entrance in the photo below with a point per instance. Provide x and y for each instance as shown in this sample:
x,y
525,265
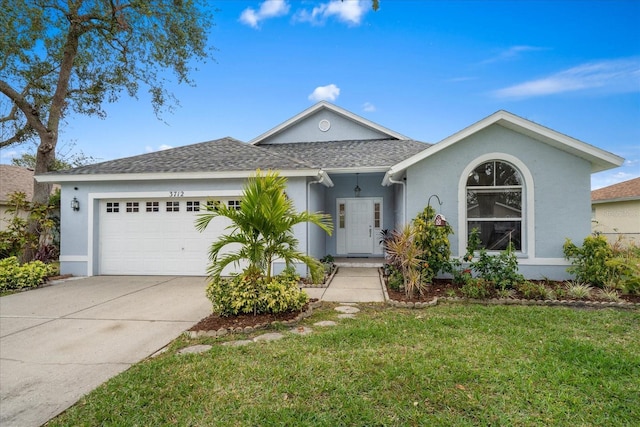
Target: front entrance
x,y
359,225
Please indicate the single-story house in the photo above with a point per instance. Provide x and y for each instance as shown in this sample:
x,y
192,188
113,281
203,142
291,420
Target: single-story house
x,y
615,211
13,179
513,179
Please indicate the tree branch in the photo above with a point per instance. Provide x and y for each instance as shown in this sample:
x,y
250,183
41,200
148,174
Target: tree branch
x,y
31,113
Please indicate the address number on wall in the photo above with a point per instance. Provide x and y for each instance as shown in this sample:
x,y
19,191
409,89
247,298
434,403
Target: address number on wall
x,y
176,193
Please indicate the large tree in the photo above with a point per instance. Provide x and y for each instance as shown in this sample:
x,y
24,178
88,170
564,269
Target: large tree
x,y
59,57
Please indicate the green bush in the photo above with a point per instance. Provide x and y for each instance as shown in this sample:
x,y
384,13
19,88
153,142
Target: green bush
x,y
250,292
531,290
433,242
396,281
14,276
477,288
500,269
601,264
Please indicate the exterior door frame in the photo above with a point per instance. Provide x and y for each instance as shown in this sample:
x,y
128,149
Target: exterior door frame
x,y
342,225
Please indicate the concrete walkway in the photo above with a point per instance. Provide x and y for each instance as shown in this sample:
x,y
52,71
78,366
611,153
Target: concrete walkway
x,y
59,342
351,284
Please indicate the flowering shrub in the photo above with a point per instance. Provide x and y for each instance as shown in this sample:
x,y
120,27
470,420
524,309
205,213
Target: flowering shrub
x,y
14,276
250,292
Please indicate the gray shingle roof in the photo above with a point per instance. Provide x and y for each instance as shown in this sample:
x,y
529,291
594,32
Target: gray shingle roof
x,y
228,154
348,154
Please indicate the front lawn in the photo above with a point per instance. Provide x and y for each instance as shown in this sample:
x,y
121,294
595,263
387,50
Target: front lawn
x,y
447,365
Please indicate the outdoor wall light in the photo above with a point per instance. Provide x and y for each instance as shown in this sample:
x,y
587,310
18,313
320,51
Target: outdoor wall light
x,y
75,204
357,190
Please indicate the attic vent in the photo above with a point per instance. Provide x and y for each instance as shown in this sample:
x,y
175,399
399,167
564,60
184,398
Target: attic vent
x,y
324,125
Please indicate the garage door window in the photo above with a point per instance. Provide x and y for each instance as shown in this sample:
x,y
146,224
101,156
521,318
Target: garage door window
x,y
113,207
153,207
173,206
234,204
193,206
133,207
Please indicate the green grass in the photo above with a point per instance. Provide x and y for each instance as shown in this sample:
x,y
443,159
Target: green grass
x,y
459,365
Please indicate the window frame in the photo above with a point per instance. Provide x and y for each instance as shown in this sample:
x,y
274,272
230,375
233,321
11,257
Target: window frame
x,y
527,214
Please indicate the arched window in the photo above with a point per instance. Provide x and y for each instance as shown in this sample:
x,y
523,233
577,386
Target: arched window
x,y
494,206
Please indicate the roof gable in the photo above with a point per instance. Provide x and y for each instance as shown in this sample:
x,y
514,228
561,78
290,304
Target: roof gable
x,y
342,125
626,190
600,160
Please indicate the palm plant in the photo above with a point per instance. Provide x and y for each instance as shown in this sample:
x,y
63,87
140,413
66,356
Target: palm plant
x,y
262,227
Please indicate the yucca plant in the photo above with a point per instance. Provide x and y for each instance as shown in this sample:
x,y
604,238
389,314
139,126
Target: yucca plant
x,y
404,254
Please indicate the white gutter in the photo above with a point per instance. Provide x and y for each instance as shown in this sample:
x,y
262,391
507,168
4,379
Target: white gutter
x,y
167,176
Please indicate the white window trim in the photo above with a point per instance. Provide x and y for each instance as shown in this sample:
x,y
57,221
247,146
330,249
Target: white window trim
x,y
528,190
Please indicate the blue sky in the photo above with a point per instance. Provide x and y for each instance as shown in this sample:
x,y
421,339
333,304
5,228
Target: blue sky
x,y
425,69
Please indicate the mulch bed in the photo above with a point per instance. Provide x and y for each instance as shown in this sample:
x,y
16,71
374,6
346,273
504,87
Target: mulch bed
x,y
215,322
445,288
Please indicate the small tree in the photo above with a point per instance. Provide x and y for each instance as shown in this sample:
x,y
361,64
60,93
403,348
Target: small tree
x,y
263,227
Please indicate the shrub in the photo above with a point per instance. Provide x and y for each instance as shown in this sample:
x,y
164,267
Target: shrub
x,y
500,269
589,262
395,281
403,254
433,242
477,288
250,292
608,294
578,290
14,276
532,290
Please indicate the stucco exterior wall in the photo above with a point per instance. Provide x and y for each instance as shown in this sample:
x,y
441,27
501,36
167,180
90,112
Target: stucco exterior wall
x,y
556,201
341,129
80,230
618,218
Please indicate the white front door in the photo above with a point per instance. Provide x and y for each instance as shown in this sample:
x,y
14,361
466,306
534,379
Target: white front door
x,y
358,226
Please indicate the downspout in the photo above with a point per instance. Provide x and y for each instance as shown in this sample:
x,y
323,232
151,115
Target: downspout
x,y
404,197
322,176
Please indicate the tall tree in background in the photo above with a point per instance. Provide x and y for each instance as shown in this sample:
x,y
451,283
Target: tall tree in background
x,y
59,57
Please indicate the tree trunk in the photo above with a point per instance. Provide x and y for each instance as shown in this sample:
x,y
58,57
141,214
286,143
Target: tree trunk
x,y
45,157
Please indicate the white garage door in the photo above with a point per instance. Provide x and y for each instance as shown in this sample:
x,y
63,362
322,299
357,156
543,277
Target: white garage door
x,y
156,237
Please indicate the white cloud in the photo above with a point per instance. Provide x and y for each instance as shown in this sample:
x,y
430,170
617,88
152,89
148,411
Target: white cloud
x,y
512,52
161,147
349,11
325,93
369,107
614,76
268,9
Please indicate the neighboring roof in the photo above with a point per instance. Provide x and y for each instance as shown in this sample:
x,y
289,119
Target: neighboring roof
x,y
15,178
335,155
219,156
600,160
324,105
627,190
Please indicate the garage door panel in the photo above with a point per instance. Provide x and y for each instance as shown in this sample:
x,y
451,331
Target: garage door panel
x,y
155,243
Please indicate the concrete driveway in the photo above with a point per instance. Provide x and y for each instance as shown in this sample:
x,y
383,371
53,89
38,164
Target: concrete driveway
x,y
60,342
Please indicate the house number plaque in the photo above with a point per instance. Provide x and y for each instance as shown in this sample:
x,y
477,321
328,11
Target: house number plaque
x,y
176,193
